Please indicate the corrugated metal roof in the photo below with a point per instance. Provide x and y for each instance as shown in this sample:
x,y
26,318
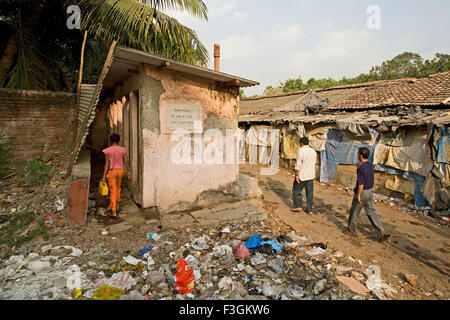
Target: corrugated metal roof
x,y
138,57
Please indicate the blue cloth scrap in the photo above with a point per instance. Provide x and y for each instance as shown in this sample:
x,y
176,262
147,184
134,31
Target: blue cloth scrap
x,y
443,141
337,152
276,247
253,242
144,251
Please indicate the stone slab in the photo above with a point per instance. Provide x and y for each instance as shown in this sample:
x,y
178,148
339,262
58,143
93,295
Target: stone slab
x,y
78,201
120,227
353,285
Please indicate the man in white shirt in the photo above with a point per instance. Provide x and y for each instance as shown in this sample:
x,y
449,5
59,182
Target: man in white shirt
x,y
305,173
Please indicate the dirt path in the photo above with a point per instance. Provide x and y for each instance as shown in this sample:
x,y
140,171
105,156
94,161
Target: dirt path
x,y
417,246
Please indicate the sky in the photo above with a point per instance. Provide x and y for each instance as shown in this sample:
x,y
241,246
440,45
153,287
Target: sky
x,y
272,41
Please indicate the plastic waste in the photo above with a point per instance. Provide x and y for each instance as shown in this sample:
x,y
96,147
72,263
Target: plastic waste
x,y
296,292
184,278
60,204
155,278
226,284
141,252
375,284
276,265
192,261
75,251
222,250
154,236
73,280
103,189
76,293
241,252
200,244
319,245
315,252
132,295
107,292
271,247
253,242
257,259
132,260
268,290
121,280
239,267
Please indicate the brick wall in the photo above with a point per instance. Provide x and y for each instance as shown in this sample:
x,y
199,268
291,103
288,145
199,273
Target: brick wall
x,y
32,118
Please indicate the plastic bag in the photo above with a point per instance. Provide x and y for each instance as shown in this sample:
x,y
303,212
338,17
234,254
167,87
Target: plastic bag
x,y
103,189
241,252
108,293
253,242
184,278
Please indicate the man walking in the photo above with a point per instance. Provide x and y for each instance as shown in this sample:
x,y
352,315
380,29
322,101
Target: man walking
x,y
364,198
305,172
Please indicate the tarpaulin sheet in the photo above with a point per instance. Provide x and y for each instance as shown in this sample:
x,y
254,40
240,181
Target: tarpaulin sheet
x,y
419,199
290,145
337,152
444,147
402,185
413,158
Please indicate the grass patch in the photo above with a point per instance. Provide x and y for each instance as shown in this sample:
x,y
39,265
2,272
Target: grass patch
x,y
17,231
34,172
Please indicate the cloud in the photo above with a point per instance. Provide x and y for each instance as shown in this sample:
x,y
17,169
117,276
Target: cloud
x,y
238,16
238,46
337,53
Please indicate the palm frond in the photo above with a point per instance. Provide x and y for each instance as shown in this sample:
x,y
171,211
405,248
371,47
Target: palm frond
x,y
31,69
195,7
142,27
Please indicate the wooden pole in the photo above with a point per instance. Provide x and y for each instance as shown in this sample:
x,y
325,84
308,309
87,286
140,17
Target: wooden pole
x,y
80,77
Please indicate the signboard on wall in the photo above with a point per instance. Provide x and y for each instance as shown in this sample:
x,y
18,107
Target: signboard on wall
x,y
182,116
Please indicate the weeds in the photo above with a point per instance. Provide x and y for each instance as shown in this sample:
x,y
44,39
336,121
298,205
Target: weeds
x,y
13,232
34,171
5,156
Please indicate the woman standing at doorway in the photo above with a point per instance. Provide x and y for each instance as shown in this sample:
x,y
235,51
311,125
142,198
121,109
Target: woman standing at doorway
x,y
115,171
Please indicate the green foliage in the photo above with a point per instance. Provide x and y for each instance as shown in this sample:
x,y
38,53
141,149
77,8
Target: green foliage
x,y
12,233
34,172
405,65
5,156
47,54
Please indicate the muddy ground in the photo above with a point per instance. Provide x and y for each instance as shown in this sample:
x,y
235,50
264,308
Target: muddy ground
x,y
418,245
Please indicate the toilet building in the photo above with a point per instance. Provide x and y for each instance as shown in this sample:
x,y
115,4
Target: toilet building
x,y
160,107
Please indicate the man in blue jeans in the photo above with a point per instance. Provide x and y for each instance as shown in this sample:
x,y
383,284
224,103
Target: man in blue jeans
x,y
364,198
305,173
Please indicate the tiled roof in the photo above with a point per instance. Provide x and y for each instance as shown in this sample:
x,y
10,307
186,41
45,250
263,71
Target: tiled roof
x,y
431,91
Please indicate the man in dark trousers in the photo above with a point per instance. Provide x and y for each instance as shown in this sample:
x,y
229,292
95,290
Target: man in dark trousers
x,y
305,173
364,198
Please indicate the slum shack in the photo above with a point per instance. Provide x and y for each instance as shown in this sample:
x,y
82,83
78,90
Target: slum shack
x,y
403,122
147,99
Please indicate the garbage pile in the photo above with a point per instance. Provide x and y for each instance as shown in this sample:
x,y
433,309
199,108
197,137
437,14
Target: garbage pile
x,y
233,261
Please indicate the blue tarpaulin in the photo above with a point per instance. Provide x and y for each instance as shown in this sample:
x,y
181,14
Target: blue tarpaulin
x,y
337,152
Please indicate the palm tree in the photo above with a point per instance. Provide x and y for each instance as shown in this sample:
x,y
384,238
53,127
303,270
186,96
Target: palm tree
x,y
38,51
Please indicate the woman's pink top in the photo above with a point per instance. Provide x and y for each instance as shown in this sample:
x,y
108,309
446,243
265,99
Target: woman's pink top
x,y
115,154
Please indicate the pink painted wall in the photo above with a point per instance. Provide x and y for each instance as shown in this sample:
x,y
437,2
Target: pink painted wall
x,y
171,186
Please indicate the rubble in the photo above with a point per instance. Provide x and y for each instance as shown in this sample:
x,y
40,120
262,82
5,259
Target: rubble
x,y
217,266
